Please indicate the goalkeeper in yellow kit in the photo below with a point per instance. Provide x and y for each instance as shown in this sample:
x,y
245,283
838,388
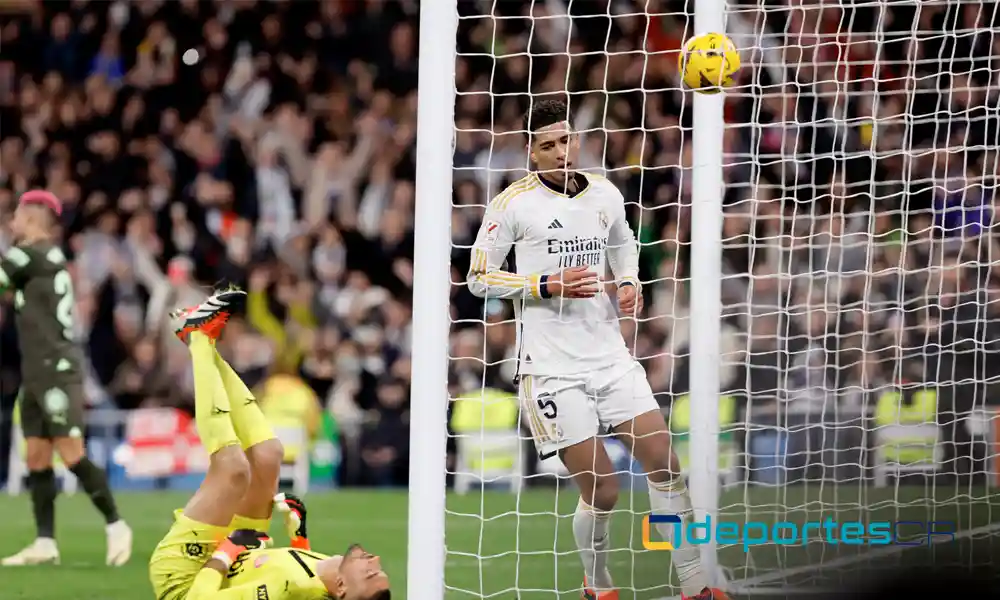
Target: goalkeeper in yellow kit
x,y
217,547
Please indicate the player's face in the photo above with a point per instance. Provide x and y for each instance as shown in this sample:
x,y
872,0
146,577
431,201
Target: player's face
x,y
361,574
555,148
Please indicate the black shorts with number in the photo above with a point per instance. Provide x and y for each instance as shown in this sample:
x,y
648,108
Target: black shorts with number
x,y
52,411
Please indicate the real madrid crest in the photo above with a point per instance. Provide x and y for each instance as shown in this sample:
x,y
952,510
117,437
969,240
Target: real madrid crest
x,y
602,218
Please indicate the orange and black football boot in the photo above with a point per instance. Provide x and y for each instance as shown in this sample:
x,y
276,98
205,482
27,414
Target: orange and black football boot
x,y
210,316
707,594
589,594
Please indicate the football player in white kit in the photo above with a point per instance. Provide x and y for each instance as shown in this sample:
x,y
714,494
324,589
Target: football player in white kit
x,y
576,376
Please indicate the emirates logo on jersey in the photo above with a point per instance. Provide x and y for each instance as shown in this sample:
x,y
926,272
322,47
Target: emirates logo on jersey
x,y
578,251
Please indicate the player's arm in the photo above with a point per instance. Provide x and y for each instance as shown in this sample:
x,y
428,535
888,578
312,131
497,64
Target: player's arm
x,y
208,581
623,250
487,279
493,243
14,268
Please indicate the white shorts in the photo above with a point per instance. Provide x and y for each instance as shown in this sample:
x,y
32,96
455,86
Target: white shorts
x,y
564,410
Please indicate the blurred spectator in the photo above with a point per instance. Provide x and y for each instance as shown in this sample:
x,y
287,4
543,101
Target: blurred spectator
x,y
282,161
290,404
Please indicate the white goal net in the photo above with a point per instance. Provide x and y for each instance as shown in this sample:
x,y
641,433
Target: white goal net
x,y
860,331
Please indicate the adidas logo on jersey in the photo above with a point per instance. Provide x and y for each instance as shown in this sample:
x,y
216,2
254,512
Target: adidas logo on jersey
x,y
555,224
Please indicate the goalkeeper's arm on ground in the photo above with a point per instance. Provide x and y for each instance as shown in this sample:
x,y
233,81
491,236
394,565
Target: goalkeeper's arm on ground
x,y
493,243
208,581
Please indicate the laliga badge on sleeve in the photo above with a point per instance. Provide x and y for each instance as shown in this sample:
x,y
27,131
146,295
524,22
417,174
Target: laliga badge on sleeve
x,y
492,230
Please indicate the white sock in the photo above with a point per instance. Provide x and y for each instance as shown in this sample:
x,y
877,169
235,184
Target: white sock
x,y
671,498
590,530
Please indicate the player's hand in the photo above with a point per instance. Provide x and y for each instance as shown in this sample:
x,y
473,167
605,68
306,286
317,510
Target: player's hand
x,y
577,282
293,511
239,542
629,300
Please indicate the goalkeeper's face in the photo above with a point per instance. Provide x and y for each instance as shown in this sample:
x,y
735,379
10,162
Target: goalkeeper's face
x,y
554,148
361,575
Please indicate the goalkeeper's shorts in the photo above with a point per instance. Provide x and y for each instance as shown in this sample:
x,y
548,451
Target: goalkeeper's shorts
x,y
181,554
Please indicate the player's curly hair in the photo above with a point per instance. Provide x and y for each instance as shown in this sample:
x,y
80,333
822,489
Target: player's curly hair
x,y
544,113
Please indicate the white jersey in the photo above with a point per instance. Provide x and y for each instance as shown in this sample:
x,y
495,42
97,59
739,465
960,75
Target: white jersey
x,y
549,232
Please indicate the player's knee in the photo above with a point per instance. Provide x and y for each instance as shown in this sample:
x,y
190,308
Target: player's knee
x,y
70,450
232,466
657,457
663,471
605,495
266,457
38,462
38,457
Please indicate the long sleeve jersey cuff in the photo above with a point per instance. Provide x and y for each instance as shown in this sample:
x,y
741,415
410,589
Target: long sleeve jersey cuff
x,y
536,286
634,281
513,285
543,287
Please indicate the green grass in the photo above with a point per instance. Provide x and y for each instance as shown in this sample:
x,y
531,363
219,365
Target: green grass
x,y
521,550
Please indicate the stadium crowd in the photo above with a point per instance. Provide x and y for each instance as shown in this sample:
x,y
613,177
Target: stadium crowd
x,y
858,205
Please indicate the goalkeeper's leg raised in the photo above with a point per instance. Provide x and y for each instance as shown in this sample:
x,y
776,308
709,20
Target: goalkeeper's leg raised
x,y
263,451
207,517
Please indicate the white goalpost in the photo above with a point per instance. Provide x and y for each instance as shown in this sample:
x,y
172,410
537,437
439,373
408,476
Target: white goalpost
x,y
431,277
818,245
706,302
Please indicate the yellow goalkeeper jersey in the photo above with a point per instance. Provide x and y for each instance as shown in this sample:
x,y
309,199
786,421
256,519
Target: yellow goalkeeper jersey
x,y
270,574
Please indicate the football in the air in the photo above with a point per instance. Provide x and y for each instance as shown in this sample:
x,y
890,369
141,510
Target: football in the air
x,y
708,63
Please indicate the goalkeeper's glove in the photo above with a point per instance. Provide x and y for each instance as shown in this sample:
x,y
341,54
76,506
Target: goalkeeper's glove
x,y
239,542
293,510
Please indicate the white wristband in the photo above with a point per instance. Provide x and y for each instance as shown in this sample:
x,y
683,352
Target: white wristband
x,y
223,558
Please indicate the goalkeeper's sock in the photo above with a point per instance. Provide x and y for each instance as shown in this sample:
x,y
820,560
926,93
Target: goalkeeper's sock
x,y
242,522
249,422
671,498
211,403
590,530
95,483
43,501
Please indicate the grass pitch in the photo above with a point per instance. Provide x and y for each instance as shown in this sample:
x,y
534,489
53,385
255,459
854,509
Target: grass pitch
x,y
502,546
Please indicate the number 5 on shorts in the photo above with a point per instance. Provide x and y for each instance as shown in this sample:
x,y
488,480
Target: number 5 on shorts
x,y
547,405
536,408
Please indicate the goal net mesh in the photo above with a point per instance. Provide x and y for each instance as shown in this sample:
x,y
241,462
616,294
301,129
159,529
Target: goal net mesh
x,y
860,290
